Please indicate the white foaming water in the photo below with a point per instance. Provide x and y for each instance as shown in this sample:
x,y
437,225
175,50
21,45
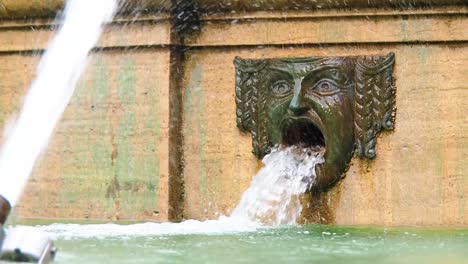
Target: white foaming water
x,y
272,199
57,74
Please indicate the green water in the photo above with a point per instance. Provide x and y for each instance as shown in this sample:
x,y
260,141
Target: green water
x,y
306,244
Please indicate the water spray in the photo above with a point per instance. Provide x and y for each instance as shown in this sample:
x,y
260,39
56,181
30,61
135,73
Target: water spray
x,y
59,70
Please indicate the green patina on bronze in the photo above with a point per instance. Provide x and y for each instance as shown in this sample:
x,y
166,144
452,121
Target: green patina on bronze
x,y
340,103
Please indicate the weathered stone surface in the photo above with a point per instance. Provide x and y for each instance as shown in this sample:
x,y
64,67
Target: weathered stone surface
x,y
48,8
333,30
108,157
218,162
265,5
419,177
23,36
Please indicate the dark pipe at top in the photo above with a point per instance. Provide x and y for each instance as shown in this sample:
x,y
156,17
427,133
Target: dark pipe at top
x,y
5,208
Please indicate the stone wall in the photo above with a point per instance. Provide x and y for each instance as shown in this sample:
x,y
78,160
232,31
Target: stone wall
x,y
419,176
117,153
108,158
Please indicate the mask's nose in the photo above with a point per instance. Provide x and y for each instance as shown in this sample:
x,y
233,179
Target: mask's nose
x,y
297,105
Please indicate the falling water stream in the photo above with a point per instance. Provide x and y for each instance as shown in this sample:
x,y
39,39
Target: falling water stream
x,y
59,70
273,197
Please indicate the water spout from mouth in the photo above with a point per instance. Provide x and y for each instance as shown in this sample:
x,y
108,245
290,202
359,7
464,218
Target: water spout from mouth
x,y
274,196
302,132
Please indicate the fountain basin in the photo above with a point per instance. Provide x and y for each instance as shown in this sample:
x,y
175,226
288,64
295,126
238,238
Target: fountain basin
x,y
306,244
125,115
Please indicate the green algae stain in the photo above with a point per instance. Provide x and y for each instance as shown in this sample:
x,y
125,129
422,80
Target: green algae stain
x,y
80,95
217,184
100,149
101,158
125,160
152,166
95,90
195,115
100,166
85,171
150,174
423,54
127,82
404,36
132,151
100,81
149,167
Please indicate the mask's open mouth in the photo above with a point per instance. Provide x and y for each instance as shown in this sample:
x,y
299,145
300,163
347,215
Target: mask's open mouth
x,y
302,132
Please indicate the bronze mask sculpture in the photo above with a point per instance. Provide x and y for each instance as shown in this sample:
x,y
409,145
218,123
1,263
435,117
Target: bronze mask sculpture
x,y
339,103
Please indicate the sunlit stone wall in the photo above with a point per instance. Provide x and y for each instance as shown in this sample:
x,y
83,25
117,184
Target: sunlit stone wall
x,y
420,174
112,156
108,157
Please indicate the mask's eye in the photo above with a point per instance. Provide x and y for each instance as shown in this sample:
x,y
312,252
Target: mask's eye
x,y
325,87
281,87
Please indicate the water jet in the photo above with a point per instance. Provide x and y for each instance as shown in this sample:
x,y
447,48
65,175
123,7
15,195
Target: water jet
x,y
58,72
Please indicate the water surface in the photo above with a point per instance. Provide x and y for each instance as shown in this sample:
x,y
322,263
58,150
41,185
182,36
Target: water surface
x,y
298,244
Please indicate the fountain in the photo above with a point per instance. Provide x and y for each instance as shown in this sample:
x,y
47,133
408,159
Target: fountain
x,y
150,134
144,109
340,104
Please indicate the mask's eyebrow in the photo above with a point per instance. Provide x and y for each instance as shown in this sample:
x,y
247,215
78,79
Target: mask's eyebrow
x,y
329,66
282,69
334,73
322,68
